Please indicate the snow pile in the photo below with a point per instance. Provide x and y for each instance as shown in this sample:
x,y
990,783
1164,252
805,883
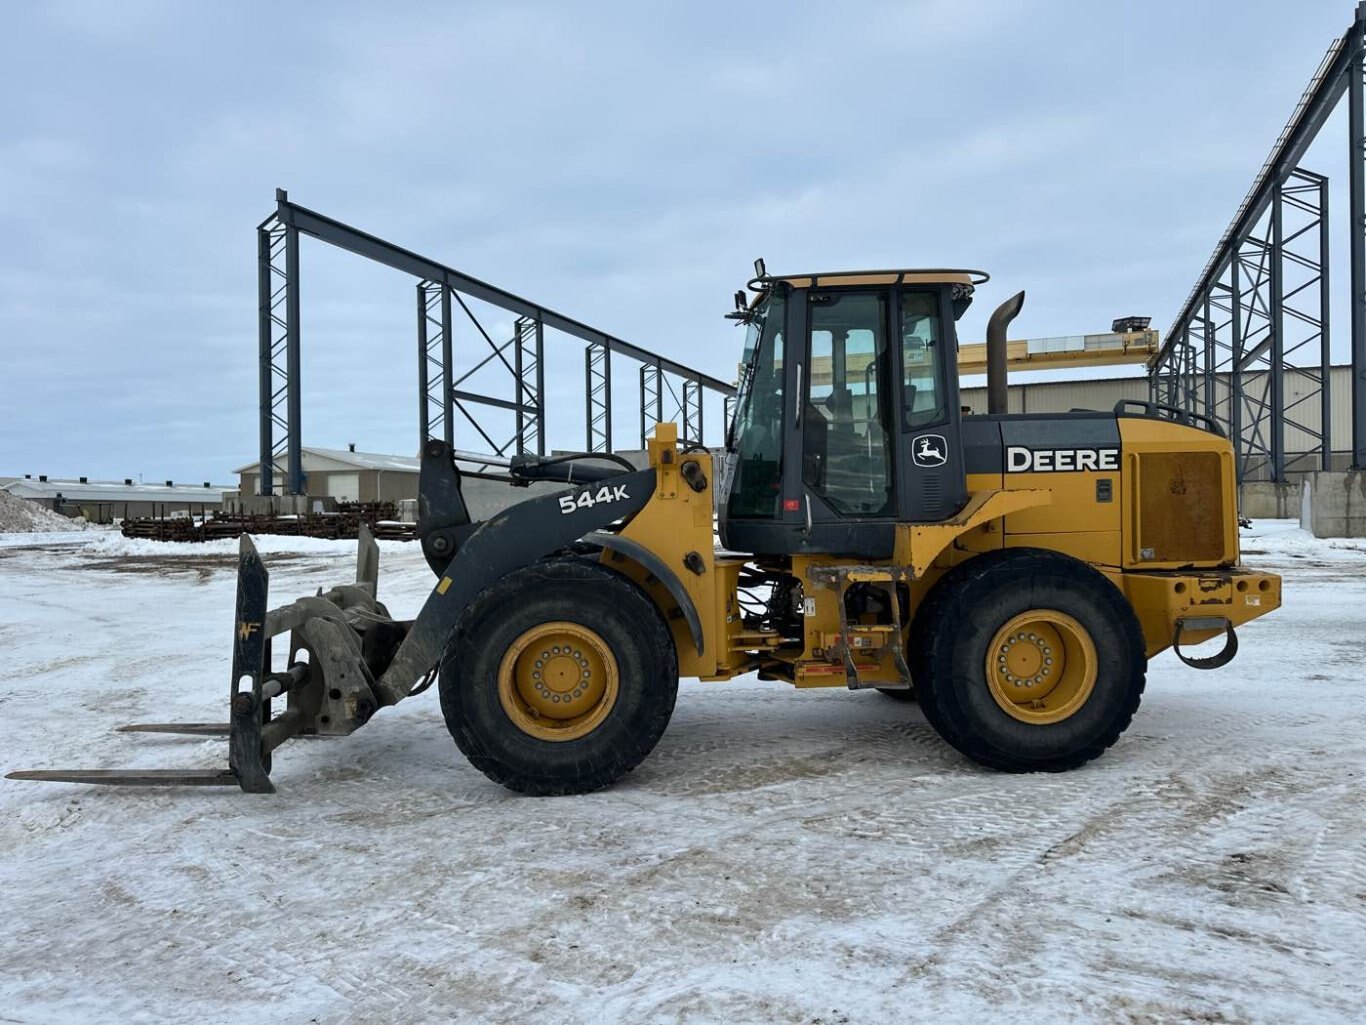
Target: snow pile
x,y
1287,539
19,516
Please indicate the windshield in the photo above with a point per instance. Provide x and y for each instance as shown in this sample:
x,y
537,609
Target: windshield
x,y
753,329
756,435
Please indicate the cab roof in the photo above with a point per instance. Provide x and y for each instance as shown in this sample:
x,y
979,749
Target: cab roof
x,y
964,281
917,276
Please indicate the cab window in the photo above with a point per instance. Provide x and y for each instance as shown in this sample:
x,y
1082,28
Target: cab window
x,y
846,450
922,353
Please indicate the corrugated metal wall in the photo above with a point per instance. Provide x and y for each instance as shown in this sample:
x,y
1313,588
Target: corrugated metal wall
x,y
1061,396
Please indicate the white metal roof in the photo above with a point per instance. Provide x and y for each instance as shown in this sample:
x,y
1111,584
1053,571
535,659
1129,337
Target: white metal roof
x,y
115,491
318,458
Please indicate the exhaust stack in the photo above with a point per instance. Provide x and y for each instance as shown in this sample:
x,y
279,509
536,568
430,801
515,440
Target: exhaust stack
x,y
997,401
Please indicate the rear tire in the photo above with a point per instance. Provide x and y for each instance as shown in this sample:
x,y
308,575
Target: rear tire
x,y
1027,660
574,633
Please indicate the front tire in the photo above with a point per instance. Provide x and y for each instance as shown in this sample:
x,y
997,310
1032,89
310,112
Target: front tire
x,y
1028,660
561,678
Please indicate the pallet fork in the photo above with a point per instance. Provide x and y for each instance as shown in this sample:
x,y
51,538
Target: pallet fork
x,y
315,686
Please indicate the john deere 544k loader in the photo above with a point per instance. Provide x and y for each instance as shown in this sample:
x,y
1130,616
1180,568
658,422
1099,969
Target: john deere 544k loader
x,y
1016,571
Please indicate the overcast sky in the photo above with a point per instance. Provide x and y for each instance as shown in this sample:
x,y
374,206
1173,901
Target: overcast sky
x,y
623,163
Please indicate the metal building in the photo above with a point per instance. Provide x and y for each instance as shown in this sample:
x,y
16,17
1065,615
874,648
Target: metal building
x,y
103,501
346,475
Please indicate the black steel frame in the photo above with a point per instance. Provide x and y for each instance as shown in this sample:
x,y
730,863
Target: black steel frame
x,y
441,290
1258,317
277,258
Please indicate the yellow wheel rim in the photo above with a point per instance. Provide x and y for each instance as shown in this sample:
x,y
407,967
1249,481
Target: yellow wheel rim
x,y
1041,666
558,681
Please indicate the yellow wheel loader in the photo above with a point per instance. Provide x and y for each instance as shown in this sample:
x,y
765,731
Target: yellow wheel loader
x,y
1014,572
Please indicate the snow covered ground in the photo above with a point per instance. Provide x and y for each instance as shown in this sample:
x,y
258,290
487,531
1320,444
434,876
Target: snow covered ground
x,y
812,857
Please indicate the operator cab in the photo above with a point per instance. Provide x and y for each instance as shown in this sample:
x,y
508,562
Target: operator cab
x,y
847,414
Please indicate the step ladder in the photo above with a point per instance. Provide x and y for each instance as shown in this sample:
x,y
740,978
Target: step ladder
x,y
868,640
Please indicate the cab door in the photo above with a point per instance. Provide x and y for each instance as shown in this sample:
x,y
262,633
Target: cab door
x,y
847,422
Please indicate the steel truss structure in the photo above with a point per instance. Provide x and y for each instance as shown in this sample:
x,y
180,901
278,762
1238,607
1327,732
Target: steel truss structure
x,y
448,404
667,396
277,261
1258,317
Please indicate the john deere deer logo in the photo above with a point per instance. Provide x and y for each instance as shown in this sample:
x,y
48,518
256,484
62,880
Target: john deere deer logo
x,y
930,450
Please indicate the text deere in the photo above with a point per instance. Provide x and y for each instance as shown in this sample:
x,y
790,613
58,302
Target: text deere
x,y
1048,460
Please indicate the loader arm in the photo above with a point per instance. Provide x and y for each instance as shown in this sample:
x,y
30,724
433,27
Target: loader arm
x,y
510,539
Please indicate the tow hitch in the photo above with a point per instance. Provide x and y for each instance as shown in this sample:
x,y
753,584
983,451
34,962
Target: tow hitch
x,y
1194,623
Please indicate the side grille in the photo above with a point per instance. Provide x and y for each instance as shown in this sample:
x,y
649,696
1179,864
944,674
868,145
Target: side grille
x,y
1180,507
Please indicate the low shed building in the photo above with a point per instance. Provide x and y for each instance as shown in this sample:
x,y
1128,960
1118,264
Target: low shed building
x,y
102,501
344,475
